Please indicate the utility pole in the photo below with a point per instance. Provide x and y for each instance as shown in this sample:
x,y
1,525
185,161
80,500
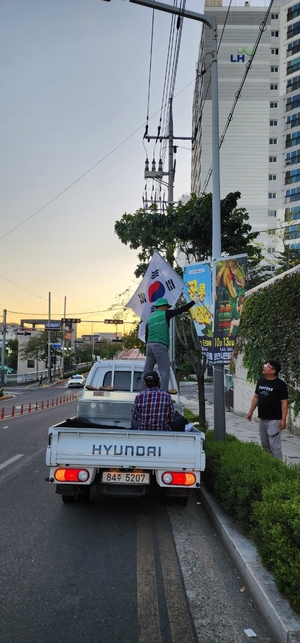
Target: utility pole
x,y
63,338
157,175
49,337
3,347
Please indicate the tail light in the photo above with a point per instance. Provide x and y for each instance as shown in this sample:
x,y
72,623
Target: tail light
x,y
71,475
178,478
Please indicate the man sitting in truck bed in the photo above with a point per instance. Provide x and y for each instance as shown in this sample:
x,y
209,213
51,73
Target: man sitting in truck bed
x,y
153,409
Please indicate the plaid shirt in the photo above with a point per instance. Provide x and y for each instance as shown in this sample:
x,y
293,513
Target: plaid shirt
x,y
154,410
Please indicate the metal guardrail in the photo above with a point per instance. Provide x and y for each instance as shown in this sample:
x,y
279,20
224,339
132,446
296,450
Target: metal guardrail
x,y
23,378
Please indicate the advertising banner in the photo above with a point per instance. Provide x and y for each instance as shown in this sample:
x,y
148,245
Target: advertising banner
x,y
230,280
198,281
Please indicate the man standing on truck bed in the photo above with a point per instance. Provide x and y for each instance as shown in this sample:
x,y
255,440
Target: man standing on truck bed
x,y
158,339
153,409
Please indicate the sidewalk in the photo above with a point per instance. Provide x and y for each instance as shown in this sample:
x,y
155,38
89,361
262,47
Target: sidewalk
x,y
248,431
283,623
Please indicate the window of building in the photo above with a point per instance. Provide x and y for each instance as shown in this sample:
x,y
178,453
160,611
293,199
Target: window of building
x,y
293,47
273,105
292,30
271,251
293,120
292,176
271,232
292,214
275,34
274,16
274,68
292,84
292,66
275,52
292,232
272,159
30,363
272,177
273,141
293,12
272,195
291,158
292,102
292,195
273,123
273,86
272,213
292,139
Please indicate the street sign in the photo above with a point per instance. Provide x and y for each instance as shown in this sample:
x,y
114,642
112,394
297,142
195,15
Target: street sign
x,y
113,321
56,345
67,320
53,325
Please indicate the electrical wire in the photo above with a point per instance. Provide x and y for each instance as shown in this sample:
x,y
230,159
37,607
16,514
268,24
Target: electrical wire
x,y
209,82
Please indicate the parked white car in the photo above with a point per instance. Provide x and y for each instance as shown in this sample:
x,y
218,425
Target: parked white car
x,y
76,381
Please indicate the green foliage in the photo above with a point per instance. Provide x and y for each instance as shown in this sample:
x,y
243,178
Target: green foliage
x,y
263,495
278,535
189,228
131,340
287,259
190,416
270,326
11,358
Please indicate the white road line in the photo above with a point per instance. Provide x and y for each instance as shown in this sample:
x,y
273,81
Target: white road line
x,y
16,457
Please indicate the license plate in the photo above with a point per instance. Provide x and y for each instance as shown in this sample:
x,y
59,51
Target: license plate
x,y
125,477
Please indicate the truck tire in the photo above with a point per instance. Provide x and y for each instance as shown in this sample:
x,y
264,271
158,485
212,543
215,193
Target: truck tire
x,y
68,499
84,494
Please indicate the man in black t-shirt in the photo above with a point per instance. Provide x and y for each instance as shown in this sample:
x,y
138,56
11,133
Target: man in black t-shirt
x,y
271,398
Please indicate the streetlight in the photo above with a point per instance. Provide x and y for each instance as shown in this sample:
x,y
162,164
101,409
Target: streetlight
x,y
219,401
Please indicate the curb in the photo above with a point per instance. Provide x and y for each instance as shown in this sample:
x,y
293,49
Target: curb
x,y
282,622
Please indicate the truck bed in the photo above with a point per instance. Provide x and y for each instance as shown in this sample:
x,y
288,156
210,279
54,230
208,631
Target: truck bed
x,y
123,448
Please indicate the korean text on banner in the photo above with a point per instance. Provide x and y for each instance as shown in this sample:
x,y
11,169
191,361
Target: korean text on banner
x,y
160,280
230,290
197,278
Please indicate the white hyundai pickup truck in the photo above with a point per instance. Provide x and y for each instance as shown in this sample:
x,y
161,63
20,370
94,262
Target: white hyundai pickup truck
x,y
99,448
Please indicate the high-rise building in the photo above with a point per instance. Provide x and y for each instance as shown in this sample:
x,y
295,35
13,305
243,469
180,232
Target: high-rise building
x,y
259,111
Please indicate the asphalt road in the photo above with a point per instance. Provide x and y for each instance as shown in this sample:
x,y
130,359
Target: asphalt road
x,y
110,571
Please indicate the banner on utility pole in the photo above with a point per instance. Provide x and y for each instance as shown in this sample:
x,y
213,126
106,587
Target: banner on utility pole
x,y
230,281
197,279
160,280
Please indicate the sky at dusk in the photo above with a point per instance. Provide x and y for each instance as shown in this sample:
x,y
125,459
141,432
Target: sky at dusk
x,y
74,86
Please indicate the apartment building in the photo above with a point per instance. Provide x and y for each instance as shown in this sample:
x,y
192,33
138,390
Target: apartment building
x,y
259,111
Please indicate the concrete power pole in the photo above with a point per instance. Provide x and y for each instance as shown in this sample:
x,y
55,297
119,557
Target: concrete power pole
x,y
158,175
3,347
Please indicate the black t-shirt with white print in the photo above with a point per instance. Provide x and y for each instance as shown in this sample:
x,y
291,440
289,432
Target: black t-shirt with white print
x,y
270,393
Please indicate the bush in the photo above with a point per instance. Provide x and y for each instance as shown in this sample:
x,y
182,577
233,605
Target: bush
x,y
277,535
263,495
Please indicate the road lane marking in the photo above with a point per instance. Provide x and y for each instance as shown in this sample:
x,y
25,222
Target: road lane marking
x,y
148,614
11,460
178,610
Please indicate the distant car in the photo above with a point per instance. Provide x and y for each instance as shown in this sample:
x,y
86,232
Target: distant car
x,y
76,381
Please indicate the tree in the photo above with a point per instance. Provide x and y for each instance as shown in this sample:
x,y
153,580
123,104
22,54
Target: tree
x,y
37,347
188,228
131,340
287,259
11,359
